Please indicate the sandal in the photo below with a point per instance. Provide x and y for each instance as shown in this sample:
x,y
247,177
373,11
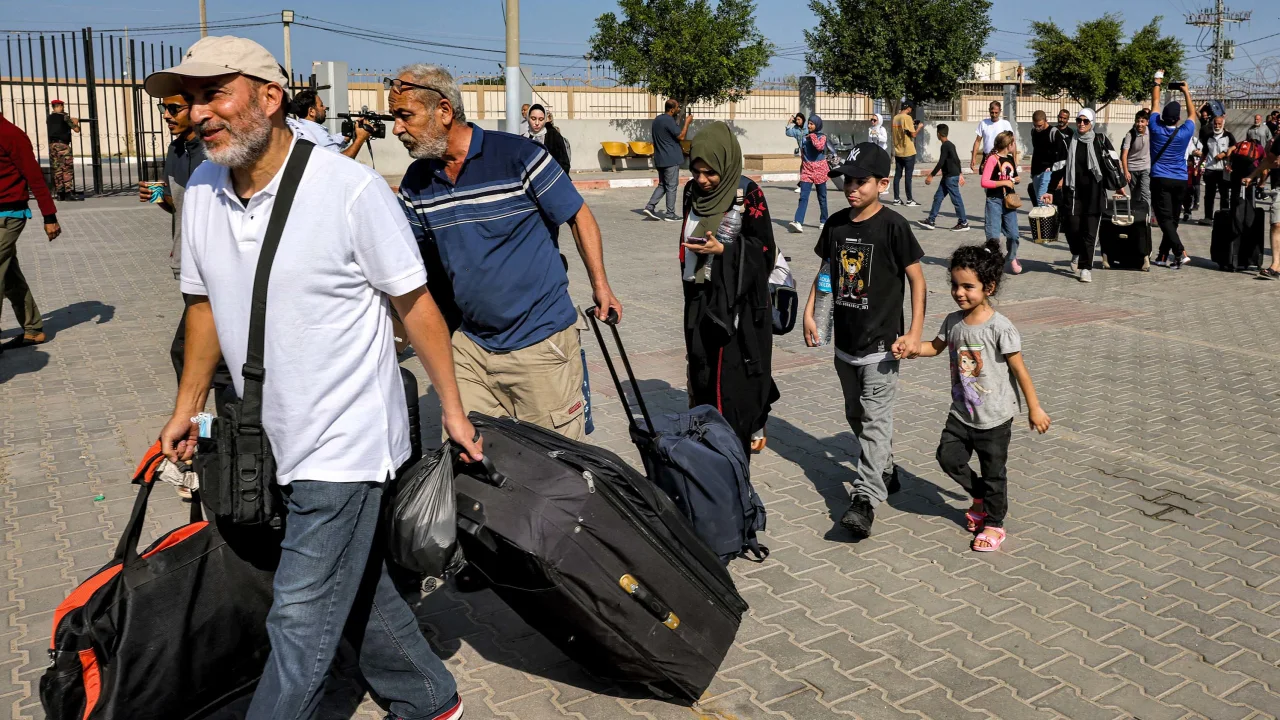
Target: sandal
x,y
974,519
991,538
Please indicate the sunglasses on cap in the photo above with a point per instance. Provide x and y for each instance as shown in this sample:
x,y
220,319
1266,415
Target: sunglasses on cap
x,y
397,85
172,108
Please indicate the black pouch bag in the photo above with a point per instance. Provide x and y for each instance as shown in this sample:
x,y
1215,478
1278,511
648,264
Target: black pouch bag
x,y
236,467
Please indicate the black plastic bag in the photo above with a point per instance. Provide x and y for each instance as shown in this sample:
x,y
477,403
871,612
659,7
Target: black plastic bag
x,y
423,523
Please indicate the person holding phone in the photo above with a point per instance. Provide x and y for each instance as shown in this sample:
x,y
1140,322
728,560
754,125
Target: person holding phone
x,y
1170,136
728,321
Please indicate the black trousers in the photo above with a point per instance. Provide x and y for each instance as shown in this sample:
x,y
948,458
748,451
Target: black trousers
x,y
959,443
1166,198
223,389
1215,183
1191,196
1082,237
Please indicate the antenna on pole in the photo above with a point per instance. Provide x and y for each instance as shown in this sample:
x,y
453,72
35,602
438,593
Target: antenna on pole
x,y
1223,48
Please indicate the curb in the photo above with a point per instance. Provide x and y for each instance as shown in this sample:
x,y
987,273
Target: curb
x,y
761,178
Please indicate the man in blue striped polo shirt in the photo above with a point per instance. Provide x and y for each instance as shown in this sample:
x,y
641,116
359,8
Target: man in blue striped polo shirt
x,y
488,204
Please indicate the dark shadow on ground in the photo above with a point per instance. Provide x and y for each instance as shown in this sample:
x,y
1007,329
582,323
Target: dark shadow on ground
x,y
21,360
72,315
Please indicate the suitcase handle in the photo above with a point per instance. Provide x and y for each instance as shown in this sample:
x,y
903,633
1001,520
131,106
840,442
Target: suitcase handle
x,y
650,601
491,475
612,322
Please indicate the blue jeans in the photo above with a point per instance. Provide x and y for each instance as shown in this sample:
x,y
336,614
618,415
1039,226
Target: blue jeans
x,y
903,166
804,201
1040,183
330,584
996,219
948,186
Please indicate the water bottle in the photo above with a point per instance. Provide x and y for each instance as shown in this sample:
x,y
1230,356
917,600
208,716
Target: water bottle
x,y
727,232
824,305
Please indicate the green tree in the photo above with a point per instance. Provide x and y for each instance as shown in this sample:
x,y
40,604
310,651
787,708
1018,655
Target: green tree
x,y
918,50
684,49
1096,66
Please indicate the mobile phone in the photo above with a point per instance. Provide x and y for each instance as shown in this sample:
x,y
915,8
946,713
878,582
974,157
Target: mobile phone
x,y
695,241
1177,85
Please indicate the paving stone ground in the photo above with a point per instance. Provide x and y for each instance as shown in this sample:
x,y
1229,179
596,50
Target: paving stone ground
x,y
1138,581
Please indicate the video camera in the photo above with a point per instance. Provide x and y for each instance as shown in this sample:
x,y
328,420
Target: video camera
x,y
373,122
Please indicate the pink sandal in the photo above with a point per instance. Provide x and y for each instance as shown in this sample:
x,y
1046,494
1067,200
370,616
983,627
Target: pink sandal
x,y
991,536
974,520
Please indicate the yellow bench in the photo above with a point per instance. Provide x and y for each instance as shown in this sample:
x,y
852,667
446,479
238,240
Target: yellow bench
x,y
615,150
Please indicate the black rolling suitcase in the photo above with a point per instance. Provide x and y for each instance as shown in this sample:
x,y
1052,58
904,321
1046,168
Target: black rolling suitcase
x,y
595,557
1238,236
1125,236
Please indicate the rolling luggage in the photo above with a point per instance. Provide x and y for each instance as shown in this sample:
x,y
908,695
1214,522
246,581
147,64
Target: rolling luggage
x,y
1238,236
699,462
175,632
1125,236
596,558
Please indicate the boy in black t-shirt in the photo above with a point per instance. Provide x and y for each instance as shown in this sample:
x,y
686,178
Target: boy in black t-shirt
x,y
871,252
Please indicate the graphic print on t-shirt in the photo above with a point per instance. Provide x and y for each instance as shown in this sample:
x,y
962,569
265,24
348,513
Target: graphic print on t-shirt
x,y
966,369
854,259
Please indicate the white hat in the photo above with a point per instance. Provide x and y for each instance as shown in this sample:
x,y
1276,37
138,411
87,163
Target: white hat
x,y
213,56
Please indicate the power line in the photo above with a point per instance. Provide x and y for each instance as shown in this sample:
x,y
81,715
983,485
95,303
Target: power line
x,y
1223,48
375,35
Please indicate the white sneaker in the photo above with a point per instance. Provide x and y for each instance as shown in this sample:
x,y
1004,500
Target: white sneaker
x,y
912,203
651,214
795,227
796,189
1086,276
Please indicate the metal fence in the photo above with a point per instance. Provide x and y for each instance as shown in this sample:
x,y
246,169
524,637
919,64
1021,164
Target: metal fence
x,y
122,136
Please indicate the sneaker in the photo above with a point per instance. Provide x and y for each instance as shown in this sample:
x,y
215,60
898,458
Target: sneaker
x,y
1162,262
927,224
961,227
1105,262
649,213
896,201
911,203
1146,264
671,217
795,227
858,518
892,483
451,711
1175,264
796,190
26,339
1268,274
1016,267
1086,276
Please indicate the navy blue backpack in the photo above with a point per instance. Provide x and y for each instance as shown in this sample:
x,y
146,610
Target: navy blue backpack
x,y
696,458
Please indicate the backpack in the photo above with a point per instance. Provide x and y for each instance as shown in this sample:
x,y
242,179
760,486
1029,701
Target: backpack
x,y
782,296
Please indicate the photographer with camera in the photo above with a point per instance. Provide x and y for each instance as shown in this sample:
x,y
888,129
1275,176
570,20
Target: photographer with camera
x,y
309,112
1169,139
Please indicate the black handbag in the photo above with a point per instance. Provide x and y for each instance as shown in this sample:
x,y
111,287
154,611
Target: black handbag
x,y
175,632
236,466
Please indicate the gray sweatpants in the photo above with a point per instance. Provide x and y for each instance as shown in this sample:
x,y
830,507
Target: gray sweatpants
x,y
869,392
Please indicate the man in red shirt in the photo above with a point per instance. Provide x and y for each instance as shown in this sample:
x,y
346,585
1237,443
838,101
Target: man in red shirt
x,y
20,175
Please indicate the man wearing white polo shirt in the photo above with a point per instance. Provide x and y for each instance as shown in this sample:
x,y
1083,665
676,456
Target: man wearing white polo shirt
x,y
332,402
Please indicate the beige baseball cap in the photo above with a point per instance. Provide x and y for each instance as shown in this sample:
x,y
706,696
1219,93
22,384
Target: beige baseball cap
x,y
213,56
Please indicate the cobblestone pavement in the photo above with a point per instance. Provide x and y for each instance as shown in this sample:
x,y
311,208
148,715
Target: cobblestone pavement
x,y
1139,579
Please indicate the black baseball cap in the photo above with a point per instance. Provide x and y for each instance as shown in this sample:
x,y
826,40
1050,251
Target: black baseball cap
x,y
865,160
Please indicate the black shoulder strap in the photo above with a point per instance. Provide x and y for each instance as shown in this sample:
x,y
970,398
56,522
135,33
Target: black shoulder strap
x,y
1173,134
253,370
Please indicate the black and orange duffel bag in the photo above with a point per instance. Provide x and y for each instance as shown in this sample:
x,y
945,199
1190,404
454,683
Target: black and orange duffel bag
x,y
174,633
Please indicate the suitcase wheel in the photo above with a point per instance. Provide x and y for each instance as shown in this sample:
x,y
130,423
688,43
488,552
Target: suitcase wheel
x,y
650,601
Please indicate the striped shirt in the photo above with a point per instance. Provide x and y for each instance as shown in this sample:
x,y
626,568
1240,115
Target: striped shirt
x,y
494,230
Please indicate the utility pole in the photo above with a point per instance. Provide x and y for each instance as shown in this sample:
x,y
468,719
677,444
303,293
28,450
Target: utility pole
x,y
286,17
204,22
1223,48
513,66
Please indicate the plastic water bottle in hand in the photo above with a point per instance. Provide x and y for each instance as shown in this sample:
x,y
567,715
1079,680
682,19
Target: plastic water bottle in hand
x,y
727,232
824,305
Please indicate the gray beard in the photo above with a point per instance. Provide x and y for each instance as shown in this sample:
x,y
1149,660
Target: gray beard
x,y
433,149
243,148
